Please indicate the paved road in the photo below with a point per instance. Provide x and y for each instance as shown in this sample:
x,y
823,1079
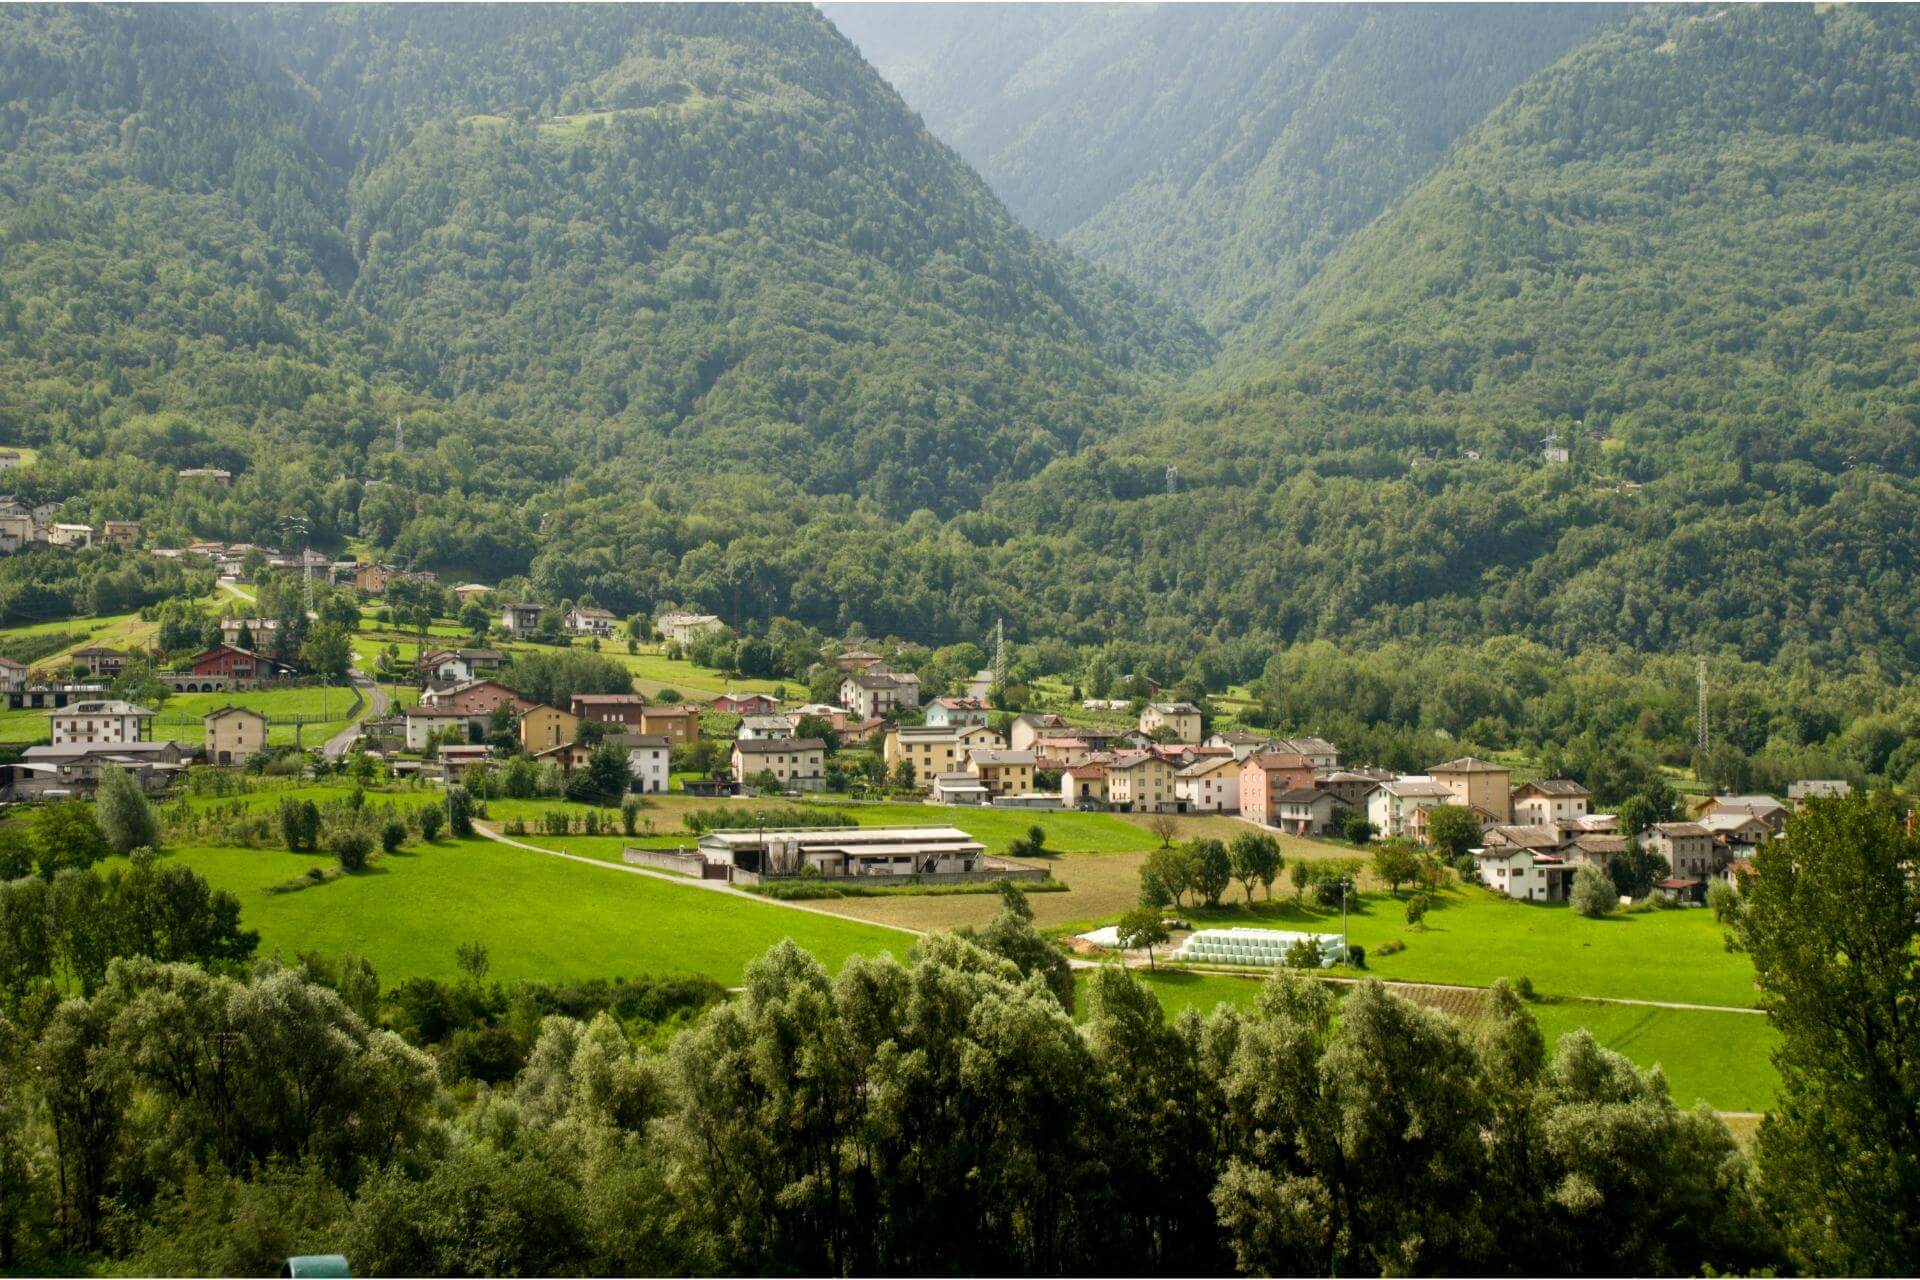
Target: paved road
x,y
373,702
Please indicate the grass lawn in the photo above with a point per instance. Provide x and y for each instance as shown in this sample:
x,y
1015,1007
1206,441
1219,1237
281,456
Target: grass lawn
x,y
1724,1058
324,710
1473,936
541,918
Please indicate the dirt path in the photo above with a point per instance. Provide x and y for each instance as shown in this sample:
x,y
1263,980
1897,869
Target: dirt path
x,y
684,882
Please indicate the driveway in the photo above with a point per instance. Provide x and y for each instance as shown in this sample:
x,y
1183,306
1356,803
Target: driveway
x,y
373,702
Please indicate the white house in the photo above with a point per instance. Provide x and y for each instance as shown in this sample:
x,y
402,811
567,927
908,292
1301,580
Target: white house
x,y
1524,873
876,693
93,723
956,712
679,628
424,720
1550,801
1304,811
520,620
649,760
796,763
765,727
1394,807
1209,785
70,535
589,621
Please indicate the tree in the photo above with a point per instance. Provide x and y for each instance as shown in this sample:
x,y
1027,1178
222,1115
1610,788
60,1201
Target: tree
x,y
1166,875
1831,918
126,820
459,811
327,651
1164,825
903,774
351,846
1141,928
67,837
1302,876
608,773
1255,857
1357,829
1453,829
1593,894
1212,869
299,824
1394,863
473,959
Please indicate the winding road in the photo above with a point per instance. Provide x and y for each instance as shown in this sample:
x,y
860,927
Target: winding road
x,y
373,702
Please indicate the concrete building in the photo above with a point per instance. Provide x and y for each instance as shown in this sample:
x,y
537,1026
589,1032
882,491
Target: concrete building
x,y
1396,808
233,734
520,620
942,854
1266,775
1002,770
543,727
764,726
99,723
1478,784
1180,719
1550,801
1141,782
798,764
679,628
1209,785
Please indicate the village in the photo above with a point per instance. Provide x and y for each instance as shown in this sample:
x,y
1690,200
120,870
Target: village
x,y
460,720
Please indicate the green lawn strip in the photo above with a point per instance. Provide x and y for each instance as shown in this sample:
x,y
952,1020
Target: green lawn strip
x,y
1472,936
541,918
1725,1058
324,710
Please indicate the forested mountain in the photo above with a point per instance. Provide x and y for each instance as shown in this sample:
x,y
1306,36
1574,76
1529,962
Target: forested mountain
x,y
1218,153
1686,251
687,236
681,304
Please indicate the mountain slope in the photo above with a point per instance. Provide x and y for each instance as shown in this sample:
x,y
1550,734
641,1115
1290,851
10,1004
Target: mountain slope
x,y
1685,250
711,233
1218,153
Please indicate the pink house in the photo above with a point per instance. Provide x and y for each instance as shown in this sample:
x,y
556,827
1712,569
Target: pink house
x,y
1265,776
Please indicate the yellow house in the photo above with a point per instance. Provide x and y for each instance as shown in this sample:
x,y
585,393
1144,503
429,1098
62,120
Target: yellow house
x,y
1141,782
543,727
1478,784
934,750
1002,772
233,734
1181,719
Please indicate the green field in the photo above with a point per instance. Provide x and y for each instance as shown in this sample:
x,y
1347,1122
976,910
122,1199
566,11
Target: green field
x,y
541,918
1721,1057
325,710
1472,936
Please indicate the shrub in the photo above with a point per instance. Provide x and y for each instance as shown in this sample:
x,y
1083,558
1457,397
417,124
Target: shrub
x,y
392,835
1357,829
1304,954
1391,947
1594,894
630,814
1523,987
1357,956
1724,902
459,811
351,848
431,820
1417,908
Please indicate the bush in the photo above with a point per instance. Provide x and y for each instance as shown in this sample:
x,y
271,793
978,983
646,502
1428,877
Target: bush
x,y
1357,829
393,835
1723,901
1304,954
1594,894
431,820
1523,987
1357,956
459,811
351,848
630,814
1417,908
1391,947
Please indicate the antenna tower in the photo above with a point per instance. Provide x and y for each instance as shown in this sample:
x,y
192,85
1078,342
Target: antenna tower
x,y
999,658
1700,715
